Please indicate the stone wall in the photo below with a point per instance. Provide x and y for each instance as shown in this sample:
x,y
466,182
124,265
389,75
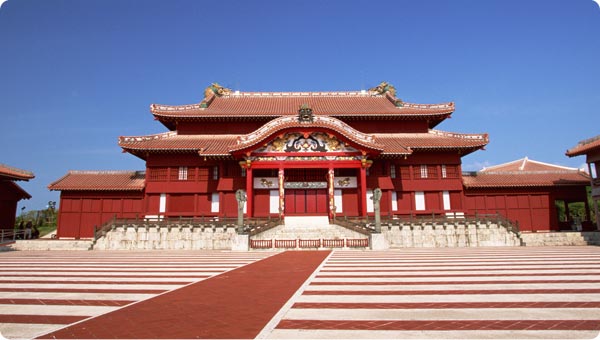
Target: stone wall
x,y
52,244
441,235
401,235
148,237
563,238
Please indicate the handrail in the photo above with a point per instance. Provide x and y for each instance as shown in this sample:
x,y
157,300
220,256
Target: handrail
x,y
364,226
358,224
251,225
7,235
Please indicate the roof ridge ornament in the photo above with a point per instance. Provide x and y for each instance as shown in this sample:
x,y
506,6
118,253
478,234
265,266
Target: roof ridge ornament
x,y
385,87
305,114
213,90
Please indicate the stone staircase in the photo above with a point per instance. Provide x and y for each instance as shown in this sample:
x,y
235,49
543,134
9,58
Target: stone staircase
x,y
308,228
308,233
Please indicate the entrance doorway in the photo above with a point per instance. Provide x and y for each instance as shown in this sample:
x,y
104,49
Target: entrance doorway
x,y
305,202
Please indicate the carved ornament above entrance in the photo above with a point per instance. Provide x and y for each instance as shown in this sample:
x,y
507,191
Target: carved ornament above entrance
x,y
314,142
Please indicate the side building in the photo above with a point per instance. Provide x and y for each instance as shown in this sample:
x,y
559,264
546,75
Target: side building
x,y
294,153
591,149
11,193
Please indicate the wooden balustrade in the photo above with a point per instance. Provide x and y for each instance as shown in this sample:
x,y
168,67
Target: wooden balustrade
x,y
303,244
357,242
285,243
261,244
309,243
336,243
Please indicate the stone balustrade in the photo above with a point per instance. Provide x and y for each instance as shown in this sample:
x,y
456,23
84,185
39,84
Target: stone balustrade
x,y
449,234
148,237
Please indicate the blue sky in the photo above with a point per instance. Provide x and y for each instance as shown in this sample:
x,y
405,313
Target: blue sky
x,y
77,74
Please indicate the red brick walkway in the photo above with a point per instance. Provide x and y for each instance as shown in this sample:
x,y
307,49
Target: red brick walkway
x,y
235,304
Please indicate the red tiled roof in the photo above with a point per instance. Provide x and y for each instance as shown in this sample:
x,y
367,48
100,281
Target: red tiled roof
x,y
100,180
221,145
404,143
532,179
12,173
526,164
213,145
585,147
525,173
276,104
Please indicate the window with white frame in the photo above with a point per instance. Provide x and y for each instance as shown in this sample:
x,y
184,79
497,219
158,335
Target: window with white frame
x,y
274,201
393,171
444,172
337,200
424,171
215,172
183,173
419,200
446,200
162,203
214,202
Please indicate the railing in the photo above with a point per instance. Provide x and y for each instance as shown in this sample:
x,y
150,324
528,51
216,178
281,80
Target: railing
x,y
357,243
309,243
366,225
252,226
359,224
257,225
334,243
303,244
285,243
9,235
261,244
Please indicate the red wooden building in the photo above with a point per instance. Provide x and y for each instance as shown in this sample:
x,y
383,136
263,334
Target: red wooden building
x,y
11,193
529,192
294,153
591,149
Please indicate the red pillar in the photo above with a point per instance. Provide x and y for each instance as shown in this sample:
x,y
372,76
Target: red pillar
x,y
330,189
249,194
281,179
363,191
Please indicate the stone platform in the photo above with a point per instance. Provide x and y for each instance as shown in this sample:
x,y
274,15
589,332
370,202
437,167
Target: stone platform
x,y
413,293
52,244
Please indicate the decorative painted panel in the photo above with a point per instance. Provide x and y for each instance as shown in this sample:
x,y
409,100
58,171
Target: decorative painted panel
x,y
345,182
305,185
265,183
297,142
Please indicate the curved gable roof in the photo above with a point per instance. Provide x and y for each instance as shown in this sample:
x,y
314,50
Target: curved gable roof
x,y
290,122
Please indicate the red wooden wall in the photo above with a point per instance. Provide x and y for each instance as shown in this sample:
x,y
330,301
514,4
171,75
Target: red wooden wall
x,y
80,212
9,196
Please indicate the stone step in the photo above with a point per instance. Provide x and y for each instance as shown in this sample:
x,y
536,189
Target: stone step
x,y
52,244
306,221
323,231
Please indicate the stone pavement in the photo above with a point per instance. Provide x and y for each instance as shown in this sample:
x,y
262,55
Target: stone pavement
x,y
43,291
551,292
